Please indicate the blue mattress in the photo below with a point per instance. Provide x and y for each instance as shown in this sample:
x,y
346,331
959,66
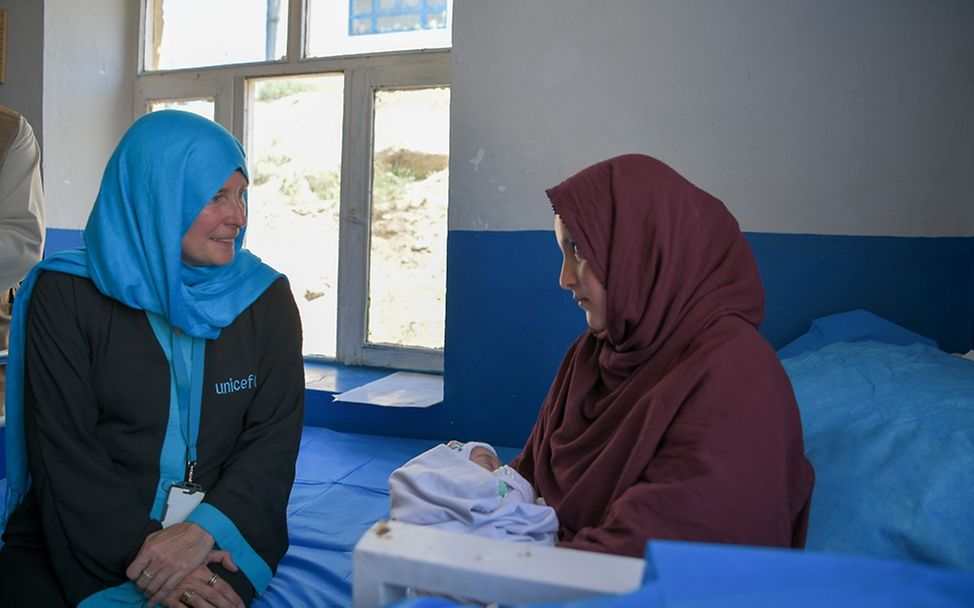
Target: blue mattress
x,y
888,422
890,432
340,490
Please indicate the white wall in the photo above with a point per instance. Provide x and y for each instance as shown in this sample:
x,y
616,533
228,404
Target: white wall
x,y
834,116
826,116
88,84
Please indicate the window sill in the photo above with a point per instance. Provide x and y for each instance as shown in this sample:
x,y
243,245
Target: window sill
x,y
325,380
335,378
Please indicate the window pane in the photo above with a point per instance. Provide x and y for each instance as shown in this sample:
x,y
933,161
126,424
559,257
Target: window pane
x,y
202,107
348,27
190,33
410,178
295,153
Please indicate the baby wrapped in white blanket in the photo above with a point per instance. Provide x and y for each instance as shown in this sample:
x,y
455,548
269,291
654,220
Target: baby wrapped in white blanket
x,y
462,487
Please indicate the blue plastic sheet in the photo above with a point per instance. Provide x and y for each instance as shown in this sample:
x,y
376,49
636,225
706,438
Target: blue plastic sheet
x,y
340,490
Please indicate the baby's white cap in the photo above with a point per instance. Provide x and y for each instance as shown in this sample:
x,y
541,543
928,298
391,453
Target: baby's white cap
x,y
466,448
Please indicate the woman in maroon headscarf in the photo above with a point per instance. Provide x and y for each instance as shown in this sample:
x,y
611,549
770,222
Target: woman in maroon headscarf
x,y
670,417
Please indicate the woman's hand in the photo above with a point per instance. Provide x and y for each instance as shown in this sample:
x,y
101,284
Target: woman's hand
x,y
167,557
203,588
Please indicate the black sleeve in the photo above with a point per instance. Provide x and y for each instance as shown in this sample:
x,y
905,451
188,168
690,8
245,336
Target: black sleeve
x,y
250,497
89,513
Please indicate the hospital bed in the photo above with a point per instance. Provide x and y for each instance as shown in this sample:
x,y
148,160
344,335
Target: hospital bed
x,y
889,426
340,499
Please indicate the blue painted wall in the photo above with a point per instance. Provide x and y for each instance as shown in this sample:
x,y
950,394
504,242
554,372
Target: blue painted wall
x,y
923,284
509,323
59,239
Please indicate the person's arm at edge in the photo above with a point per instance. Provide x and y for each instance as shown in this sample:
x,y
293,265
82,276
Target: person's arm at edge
x,y
22,218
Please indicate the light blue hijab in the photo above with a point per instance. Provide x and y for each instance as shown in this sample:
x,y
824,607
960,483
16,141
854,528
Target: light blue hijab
x,y
167,166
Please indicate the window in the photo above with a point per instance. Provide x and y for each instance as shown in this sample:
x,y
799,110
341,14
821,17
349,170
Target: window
x,y
368,17
347,137
202,107
295,157
365,26
407,239
190,33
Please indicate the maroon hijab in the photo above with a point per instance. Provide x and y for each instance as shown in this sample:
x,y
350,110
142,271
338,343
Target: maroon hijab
x,y
677,420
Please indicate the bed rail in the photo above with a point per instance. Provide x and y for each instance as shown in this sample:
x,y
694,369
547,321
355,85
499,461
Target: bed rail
x,y
393,557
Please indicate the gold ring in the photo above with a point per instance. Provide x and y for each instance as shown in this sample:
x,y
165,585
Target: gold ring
x,y
213,580
186,596
146,575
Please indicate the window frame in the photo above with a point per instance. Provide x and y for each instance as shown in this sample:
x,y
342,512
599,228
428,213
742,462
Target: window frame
x,y
228,86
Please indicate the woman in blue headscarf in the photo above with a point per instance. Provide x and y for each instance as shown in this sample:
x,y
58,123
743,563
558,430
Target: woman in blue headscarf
x,y
155,393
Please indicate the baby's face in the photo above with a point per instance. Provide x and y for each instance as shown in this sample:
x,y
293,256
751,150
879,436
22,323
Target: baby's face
x,y
485,458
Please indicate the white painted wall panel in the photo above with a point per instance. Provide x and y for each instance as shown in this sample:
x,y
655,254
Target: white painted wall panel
x,y
88,76
834,116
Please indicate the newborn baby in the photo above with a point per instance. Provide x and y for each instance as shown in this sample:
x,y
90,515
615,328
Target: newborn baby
x,y
510,484
479,453
463,487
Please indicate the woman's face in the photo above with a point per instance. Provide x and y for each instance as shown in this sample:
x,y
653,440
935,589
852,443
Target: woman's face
x,y
579,278
209,240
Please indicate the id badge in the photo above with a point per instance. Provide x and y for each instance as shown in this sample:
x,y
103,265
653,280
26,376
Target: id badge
x,y
183,498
